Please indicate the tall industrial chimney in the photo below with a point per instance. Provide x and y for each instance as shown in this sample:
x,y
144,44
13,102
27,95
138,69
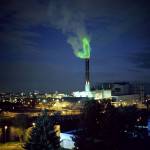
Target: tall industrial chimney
x,y
87,74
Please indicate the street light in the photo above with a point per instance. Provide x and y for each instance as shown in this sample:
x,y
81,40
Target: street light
x,y
5,132
33,124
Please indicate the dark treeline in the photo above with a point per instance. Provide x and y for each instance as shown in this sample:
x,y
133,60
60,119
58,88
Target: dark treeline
x,y
104,127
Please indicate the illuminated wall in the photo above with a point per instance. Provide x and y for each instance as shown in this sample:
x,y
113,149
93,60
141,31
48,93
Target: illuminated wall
x,y
66,141
98,94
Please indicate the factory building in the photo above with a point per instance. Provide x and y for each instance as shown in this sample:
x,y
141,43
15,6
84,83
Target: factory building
x,y
88,93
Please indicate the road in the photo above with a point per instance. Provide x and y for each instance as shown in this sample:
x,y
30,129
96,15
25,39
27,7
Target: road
x,y
11,146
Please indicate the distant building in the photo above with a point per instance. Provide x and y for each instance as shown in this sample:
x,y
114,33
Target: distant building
x,y
96,94
120,88
123,93
123,88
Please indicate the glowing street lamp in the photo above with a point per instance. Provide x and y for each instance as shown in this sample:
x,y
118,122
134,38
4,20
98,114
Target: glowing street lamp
x,y
5,127
33,124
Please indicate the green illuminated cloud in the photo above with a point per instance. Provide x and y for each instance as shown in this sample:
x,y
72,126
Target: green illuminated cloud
x,y
85,52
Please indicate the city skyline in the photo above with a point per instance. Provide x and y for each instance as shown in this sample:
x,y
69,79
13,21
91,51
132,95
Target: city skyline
x,y
38,40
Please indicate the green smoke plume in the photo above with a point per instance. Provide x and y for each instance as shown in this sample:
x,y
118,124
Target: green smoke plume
x,y
85,52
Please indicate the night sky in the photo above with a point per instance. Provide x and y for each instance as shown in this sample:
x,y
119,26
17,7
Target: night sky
x,y
38,39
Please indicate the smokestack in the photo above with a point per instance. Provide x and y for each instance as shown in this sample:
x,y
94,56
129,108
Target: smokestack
x,y
85,55
87,74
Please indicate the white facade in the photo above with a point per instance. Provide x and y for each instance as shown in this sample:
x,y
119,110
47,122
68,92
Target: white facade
x,y
66,141
97,94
